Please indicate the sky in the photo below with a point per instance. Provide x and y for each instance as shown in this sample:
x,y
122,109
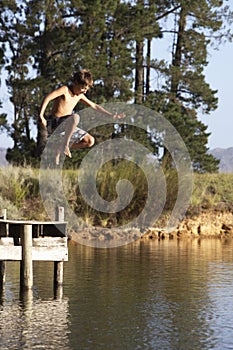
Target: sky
x,y
219,74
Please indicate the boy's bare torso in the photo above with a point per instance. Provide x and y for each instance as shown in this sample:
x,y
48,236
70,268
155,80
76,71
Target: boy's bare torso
x,y
63,105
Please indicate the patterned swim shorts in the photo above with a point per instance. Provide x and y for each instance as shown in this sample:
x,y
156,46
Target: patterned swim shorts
x,y
54,122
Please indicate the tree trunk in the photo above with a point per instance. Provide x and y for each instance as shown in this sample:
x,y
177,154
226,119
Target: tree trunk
x,y
148,66
139,76
177,55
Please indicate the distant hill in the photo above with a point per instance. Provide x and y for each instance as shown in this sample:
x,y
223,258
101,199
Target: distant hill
x,y
3,161
225,155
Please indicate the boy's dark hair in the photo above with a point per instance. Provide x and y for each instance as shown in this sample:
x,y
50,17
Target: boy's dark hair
x,y
83,77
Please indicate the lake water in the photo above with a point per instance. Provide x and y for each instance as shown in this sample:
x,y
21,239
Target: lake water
x,y
145,295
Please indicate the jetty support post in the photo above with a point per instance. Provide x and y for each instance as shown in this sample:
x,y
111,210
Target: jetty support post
x,y
26,265
3,215
58,265
2,273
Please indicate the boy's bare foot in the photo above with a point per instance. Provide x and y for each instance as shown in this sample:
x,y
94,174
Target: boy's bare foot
x,y
67,152
57,158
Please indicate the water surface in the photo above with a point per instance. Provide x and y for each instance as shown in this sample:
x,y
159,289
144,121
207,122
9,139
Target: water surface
x,y
145,295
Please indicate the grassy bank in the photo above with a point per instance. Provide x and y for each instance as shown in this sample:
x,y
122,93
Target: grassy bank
x,y
212,191
20,193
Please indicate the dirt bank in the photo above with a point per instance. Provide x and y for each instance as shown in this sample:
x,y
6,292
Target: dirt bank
x,y
207,224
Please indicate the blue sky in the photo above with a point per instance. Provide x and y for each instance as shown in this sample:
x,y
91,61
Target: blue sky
x,y
219,74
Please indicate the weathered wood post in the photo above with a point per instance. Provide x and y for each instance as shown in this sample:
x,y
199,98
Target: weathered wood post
x,y
3,214
26,268
2,273
58,265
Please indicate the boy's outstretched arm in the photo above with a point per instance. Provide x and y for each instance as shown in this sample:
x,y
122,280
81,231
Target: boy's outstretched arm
x,y
100,109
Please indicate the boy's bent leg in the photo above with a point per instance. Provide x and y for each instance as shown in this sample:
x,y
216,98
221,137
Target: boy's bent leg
x,y
57,157
86,142
71,124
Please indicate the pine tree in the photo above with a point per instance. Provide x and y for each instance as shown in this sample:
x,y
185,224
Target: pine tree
x,y
17,62
184,89
3,116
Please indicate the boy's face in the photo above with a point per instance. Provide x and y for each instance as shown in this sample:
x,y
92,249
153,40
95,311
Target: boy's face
x,y
80,89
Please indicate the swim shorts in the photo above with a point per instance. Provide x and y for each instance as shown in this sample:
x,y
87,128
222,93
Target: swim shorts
x,y
53,122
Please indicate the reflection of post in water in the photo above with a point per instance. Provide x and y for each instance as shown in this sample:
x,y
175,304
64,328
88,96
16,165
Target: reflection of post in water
x,y
2,274
36,316
2,293
26,299
3,214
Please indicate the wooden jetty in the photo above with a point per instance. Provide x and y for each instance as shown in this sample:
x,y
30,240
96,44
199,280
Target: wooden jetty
x,y
28,241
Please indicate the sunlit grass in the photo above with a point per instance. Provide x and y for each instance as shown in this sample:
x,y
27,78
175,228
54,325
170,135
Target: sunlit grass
x,y
212,189
20,192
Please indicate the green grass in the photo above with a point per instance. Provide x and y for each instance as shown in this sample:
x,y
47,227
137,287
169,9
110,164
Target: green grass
x,y
212,190
20,193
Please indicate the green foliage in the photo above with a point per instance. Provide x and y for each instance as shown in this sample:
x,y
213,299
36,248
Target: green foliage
x,y
23,154
194,134
45,42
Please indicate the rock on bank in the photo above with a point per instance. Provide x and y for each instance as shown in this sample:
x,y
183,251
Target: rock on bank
x,y
206,224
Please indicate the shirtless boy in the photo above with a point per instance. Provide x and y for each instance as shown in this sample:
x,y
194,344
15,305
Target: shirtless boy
x,y
65,98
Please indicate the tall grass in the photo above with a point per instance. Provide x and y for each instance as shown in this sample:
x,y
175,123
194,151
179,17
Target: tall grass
x,y
212,190
20,193
106,184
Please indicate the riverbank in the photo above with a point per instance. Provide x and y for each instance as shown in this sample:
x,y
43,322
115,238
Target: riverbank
x,y
210,213
209,224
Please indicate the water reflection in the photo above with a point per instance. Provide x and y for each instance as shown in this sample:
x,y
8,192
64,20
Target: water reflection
x,y
145,295
28,322
153,295
220,286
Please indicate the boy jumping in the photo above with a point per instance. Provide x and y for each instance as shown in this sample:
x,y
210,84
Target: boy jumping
x,y
65,99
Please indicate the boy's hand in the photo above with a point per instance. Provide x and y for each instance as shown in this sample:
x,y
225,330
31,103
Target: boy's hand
x,y
43,121
119,116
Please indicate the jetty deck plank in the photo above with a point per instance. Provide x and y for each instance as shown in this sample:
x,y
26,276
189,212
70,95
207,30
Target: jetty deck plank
x,y
32,222
13,228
